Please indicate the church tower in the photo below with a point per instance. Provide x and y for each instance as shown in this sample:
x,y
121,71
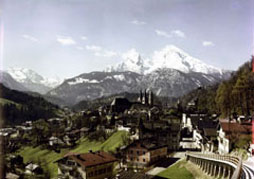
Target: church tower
x,y
141,96
150,100
145,98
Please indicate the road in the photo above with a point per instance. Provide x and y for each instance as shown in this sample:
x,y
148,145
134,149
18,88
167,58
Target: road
x,y
248,168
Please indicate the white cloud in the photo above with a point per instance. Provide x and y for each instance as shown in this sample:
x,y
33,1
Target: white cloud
x,y
101,52
173,33
94,48
162,33
29,37
136,22
65,40
178,33
207,43
83,38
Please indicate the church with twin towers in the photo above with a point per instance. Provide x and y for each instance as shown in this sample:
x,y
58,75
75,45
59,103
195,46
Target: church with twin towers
x,y
146,97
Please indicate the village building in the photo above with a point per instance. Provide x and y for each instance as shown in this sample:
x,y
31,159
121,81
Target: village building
x,y
200,130
92,165
32,169
146,97
55,141
229,132
12,176
142,153
120,104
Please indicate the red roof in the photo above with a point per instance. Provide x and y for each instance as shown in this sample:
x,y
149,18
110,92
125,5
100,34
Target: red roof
x,y
235,127
92,158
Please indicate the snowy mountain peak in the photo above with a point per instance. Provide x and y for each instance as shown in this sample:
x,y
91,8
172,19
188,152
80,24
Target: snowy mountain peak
x,y
132,61
168,57
52,82
132,56
173,57
24,75
32,80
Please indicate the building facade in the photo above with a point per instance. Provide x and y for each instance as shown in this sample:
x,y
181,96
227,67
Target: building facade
x,y
92,165
143,153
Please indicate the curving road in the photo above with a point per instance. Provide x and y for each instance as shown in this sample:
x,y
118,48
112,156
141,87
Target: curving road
x,y
248,169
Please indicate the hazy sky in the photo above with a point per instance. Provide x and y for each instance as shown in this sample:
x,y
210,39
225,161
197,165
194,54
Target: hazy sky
x,y
67,37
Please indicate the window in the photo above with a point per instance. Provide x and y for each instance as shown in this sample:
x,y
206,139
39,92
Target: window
x,y
131,158
100,171
144,160
90,174
138,152
70,163
109,169
144,152
131,151
137,159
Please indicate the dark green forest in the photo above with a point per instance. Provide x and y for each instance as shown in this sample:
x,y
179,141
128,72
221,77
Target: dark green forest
x,y
234,96
21,107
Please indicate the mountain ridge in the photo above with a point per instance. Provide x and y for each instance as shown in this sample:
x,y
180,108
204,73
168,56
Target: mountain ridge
x,y
164,83
168,57
32,80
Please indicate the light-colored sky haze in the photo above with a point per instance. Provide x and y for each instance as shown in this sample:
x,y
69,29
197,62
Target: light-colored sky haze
x,y
68,37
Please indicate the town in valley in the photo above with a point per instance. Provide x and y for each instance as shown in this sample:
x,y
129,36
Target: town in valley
x,y
131,89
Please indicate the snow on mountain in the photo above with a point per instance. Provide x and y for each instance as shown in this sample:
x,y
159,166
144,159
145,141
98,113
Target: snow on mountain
x,y
174,83
89,86
173,57
32,80
168,57
7,80
52,82
132,61
23,75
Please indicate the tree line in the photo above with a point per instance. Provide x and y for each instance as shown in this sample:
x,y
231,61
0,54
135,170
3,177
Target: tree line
x,y
229,98
25,107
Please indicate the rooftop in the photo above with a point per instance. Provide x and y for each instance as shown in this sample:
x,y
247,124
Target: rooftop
x,y
147,144
233,128
92,158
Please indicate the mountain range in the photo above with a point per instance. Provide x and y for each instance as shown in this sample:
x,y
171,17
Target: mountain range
x,y
32,81
7,80
169,72
168,57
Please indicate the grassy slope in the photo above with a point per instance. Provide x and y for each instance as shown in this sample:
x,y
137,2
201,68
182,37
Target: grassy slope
x,y
6,101
196,171
177,171
109,145
48,157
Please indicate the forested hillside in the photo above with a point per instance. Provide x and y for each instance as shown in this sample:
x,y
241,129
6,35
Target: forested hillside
x,y
204,97
235,95
17,107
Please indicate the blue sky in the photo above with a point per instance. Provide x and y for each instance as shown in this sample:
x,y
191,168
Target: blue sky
x,y
67,37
